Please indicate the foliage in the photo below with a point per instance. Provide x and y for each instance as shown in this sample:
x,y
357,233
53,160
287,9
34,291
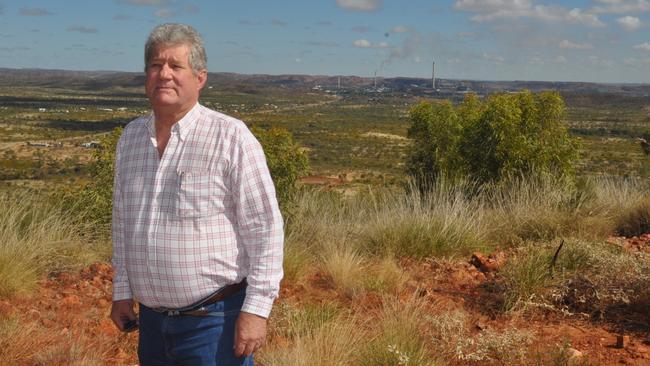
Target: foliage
x,y
286,161
504,136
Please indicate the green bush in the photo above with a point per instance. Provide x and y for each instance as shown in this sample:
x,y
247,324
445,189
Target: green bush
x,y
286,161
486,141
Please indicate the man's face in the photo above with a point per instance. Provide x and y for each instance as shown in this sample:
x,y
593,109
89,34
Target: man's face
x,y
171,84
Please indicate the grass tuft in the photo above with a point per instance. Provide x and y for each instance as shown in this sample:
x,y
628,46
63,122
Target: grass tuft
x,y
36,239
399,338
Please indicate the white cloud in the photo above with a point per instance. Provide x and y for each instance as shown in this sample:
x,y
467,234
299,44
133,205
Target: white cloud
x,y
493,58
465,35
364,43
600,61
143,2
298,60
81,29
34,12
575,46
400,29
636,62
491,6
621,6
645,46
578,16
536,60
629,23
490,10
359,5
278,22
164,13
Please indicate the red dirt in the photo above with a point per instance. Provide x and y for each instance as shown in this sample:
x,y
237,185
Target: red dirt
x,y
79,304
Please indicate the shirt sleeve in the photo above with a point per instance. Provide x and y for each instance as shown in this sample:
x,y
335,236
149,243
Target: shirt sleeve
x,y
121,287
259,224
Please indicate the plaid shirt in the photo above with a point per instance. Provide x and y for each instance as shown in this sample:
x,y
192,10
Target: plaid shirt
x,y
202,216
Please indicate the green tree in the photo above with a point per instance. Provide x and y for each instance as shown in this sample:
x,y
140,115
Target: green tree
x,y
487,141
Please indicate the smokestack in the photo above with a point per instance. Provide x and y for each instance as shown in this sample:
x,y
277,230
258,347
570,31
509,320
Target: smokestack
x,y
433,76
339,82
375,79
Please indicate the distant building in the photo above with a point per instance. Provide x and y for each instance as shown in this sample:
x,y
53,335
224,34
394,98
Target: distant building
x,y
91,145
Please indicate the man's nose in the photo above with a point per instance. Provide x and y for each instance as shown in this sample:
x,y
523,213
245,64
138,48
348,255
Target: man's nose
x,y
165,71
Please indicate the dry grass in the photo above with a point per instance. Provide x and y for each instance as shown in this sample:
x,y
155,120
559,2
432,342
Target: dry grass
x,y
385,276
453,339
399,337
20,342
443,223
37,238
635,220
333,343
346,267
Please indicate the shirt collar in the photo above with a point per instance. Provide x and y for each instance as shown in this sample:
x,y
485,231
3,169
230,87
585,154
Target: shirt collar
x,y
183,127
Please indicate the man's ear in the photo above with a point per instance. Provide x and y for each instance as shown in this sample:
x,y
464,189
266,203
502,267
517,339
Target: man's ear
x,y
202,77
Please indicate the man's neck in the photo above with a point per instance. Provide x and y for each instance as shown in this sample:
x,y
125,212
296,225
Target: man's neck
x,y
166,117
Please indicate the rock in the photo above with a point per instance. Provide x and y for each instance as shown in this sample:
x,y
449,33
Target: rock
x,y
6,308
574,357
622,341
102,303
71,300
481,326
491,263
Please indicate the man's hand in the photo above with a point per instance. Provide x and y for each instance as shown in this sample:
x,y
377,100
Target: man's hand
x,y
250,334
121,312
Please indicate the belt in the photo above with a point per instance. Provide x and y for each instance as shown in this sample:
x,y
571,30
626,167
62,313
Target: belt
x,y
198,308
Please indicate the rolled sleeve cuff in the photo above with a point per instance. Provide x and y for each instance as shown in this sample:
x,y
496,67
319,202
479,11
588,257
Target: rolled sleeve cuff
x,y
258,305
121,292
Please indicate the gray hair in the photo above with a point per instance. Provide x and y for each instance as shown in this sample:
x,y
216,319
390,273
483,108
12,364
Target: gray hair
x,y
177,34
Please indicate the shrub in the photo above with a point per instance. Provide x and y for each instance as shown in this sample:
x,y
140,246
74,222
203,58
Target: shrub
x,y
286,161
507,135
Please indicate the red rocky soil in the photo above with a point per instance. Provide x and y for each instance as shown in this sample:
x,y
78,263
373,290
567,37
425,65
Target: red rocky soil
x,y
77,305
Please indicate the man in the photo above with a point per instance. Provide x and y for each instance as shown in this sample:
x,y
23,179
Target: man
x,y
197,233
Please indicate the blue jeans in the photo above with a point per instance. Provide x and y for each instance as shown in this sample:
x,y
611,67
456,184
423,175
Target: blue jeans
x,y
192,340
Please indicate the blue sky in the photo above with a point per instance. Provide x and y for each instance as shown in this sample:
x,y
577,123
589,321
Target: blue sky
x,y
589,40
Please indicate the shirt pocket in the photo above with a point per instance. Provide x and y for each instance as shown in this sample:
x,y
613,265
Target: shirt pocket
x,y
194,194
